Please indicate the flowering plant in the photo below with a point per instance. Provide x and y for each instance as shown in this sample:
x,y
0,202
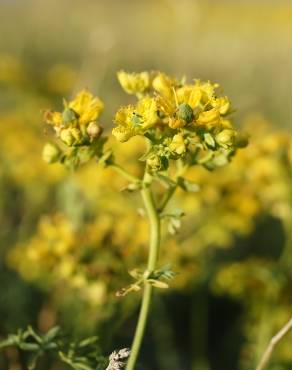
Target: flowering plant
x,y
183,124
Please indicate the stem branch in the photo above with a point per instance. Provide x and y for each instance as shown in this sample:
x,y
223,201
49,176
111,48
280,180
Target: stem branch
x,y
121,171
274,341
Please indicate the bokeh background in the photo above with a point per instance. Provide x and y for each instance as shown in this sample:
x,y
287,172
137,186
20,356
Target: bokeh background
x,y
67,240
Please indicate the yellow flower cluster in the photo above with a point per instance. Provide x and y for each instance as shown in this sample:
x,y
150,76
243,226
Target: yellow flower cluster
x,y
181,120
76,126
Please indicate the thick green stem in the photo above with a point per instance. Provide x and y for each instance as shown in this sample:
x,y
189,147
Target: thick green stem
x,y
154,222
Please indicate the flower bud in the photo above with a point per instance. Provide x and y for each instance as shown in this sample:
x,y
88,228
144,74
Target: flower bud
x,y
241,141
51,153
94,130
76,133
67,137
225,137
185,112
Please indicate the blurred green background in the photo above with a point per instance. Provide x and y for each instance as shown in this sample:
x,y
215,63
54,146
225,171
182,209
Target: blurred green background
x,y
234,251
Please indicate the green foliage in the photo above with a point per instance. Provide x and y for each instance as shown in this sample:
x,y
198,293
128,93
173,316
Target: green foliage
x,y
81,355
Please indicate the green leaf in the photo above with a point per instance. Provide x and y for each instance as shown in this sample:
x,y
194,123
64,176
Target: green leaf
x,y
158,284
52,334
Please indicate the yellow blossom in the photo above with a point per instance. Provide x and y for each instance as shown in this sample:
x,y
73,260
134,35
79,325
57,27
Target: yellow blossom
x,y
211,116
147,110
133,120
134,83
222,104
164,85
208,90
189,94
87,107
53,118
123,133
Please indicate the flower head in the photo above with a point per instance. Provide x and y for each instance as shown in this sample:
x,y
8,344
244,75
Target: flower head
x,y
134,83
86,107
77,128
182,120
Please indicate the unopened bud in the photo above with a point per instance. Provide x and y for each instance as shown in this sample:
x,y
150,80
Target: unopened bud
x,y
94,130
225,137
67,137
51,153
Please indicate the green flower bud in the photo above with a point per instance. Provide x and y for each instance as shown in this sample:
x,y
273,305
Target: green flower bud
x,y
51,153
185,112
69,115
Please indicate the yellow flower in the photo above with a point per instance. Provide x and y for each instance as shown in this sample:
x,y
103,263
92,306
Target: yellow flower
x,y
133,120
208,90
211,116
147,111
222,104
189,94
125,128
53,118
164,85
87,107
166,106
134,83
123,133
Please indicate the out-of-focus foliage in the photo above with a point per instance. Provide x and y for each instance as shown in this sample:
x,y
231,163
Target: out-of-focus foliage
x,y
82,355
67,239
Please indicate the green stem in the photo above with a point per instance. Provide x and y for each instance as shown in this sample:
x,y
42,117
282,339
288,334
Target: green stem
x,y
154,222
166,198
121,171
